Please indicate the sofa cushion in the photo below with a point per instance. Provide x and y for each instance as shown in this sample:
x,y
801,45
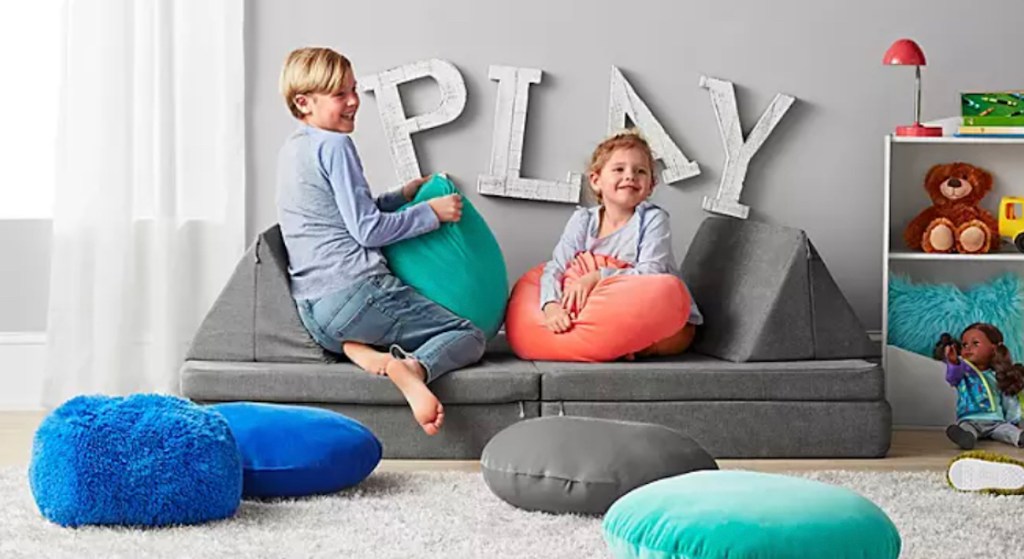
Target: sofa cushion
x,y
458,266
606,328
698,377
296,451
757,429
766,295
254,318
582,465
496,379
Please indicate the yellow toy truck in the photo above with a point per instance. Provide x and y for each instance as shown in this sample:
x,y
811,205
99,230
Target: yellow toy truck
x,y
1011,220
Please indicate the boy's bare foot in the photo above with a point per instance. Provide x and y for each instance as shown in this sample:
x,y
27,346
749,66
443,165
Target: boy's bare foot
x,y
367,358
409,375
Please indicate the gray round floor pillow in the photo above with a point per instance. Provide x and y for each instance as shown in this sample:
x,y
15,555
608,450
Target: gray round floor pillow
x,y
582,465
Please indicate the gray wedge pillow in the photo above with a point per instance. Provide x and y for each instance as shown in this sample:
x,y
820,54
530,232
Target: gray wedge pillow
x,y
582,465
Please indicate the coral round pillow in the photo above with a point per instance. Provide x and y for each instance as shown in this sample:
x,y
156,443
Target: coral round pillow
x,y
622,315
143,460
459,266
747,515
295,451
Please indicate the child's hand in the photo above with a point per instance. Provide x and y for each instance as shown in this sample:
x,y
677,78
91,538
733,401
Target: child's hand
x,y
555,318
447,208
575,296
951,356
412,187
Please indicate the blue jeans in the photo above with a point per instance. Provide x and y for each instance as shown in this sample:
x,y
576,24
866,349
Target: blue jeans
x,y
382,311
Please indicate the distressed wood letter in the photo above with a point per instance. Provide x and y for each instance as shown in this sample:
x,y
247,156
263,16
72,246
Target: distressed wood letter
x,y
507,148
397,128
624,101
738,152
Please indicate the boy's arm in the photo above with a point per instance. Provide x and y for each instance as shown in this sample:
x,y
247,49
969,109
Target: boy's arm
x,y
956,372
655,254
366,222
391,200
572,241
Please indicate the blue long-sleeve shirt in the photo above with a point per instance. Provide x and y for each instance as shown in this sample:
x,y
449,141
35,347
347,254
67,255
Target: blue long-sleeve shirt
x,y
332,226
645,241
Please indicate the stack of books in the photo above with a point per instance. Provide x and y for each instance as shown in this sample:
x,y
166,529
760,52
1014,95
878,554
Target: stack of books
x,y
997,114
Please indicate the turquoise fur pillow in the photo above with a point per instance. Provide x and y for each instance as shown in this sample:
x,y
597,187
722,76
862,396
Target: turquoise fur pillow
x,y
920,313
459,266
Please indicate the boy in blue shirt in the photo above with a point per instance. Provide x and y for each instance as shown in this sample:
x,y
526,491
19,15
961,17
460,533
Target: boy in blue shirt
x,y
333,229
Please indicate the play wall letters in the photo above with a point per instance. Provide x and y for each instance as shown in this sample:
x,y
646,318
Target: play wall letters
x,y
503,177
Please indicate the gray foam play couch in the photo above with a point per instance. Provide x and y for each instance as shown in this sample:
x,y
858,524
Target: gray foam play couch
x,y
778,370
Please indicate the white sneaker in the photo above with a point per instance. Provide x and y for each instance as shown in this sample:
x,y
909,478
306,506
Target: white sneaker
x,y
986,472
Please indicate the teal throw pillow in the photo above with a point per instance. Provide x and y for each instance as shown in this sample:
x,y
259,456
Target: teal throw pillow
x,y
459,266
746,515
920,312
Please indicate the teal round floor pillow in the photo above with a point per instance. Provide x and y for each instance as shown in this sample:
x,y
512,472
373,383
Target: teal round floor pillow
x,y
741,515
141,460
295,451
459,266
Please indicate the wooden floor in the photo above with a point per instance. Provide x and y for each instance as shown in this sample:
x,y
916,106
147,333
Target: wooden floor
x,y
911,450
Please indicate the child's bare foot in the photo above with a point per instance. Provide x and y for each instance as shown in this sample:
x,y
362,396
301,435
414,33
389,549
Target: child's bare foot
x,y
409,375
367,358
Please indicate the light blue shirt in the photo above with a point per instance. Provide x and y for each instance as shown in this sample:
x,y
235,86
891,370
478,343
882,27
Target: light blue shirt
x,y
332,226
645,241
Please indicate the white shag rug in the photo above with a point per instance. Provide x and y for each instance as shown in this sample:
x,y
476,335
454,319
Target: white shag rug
x,y
453,515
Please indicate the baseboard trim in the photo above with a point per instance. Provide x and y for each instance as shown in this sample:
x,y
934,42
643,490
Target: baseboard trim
x,y
22,338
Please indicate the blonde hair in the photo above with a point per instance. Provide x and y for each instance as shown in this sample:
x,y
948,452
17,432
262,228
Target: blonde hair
x,y
312,70
627,139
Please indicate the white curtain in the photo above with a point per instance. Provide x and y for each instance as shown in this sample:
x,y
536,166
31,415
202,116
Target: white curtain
x,y
149,216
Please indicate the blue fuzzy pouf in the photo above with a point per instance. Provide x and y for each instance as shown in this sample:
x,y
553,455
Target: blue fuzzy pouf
x,y
142,460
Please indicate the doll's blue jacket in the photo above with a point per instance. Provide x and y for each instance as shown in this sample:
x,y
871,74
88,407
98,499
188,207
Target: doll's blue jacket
x,y
978,397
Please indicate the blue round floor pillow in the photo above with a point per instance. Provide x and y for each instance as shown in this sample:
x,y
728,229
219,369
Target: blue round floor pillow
x,y
740,515
141,460
294,451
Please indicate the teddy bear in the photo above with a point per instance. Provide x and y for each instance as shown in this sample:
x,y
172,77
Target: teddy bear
x,y
955,222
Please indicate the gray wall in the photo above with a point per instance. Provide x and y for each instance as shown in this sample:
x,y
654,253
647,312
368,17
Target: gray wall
x,y
821,170
24,274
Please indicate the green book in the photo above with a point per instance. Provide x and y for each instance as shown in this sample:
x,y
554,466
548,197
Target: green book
x,y
994,121
994,103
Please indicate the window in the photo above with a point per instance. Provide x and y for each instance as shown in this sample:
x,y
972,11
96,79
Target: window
x,y
30,59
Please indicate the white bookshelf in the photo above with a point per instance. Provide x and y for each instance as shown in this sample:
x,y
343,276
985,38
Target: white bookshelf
x,y
1007,254
915,385
954,140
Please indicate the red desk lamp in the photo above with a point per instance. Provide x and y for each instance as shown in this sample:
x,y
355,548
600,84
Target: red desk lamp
x,y
905,52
